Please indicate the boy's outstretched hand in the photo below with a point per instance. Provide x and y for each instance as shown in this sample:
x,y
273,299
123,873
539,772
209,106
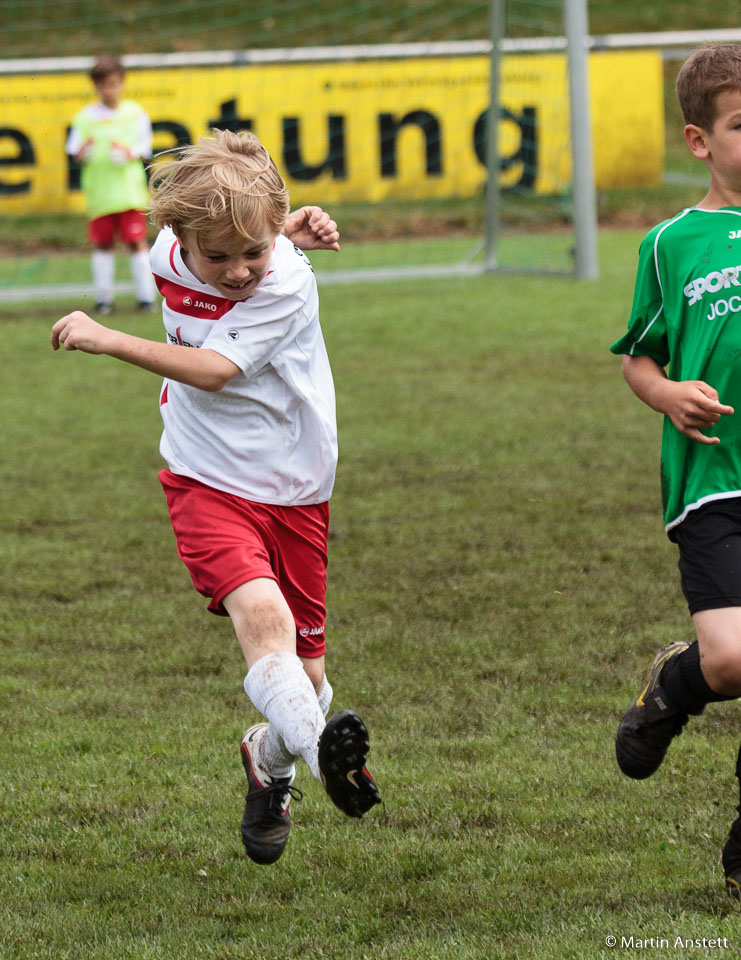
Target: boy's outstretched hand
x,y
692,406
311,228
78,331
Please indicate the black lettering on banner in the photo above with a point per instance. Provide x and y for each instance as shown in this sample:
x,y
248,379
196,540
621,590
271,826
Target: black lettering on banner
x,y
334,162
229,120
25,157
74,168
527,151
180,134
388,133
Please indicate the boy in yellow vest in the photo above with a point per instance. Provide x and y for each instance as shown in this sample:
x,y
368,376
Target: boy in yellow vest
x,y
111,138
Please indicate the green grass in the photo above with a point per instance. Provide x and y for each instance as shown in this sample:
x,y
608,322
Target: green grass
x,y
552,249
499,581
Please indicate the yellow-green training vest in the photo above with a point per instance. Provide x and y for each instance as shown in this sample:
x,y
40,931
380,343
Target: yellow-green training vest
x,y
109,188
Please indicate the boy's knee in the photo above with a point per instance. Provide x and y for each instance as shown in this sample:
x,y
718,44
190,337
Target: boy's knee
x,y
722,669
261,615
268,617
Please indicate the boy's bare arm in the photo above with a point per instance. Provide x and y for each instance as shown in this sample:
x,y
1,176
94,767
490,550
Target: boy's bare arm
x,y
205,369
691,405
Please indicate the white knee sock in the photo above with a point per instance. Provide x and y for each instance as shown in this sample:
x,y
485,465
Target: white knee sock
x,y
280,689
103,264
142,276
325,695
272,755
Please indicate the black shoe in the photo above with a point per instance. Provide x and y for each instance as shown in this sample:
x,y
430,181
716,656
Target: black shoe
x,y
650,724
343,748
731,860
145,306
267,812
102,309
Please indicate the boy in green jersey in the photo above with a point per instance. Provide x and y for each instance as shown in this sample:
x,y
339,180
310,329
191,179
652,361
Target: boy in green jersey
x,y
111,138
682,357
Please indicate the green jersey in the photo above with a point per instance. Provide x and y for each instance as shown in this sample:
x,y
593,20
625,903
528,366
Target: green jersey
x,y
687,316
112,187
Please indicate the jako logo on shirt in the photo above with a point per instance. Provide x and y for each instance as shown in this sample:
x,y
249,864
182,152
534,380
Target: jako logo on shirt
x,y
311,631
712,283
199,304
181,301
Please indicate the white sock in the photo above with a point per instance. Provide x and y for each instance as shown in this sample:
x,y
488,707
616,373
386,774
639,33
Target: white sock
x,y
103,265
272,754
142,276
280,689
325,696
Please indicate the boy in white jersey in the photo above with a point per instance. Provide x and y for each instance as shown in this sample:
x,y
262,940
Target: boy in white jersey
x,y
687,317
111,138
250,440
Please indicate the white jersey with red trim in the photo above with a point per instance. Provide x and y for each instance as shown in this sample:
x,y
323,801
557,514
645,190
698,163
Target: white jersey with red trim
x,y
270,434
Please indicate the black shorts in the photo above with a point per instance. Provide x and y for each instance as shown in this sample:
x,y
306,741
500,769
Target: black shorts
x,y
709,541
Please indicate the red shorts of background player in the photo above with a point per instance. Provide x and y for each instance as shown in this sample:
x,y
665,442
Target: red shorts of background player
x,y
131,226
224,541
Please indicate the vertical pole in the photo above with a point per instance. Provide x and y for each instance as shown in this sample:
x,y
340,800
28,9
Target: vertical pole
x,y
496,33
585,202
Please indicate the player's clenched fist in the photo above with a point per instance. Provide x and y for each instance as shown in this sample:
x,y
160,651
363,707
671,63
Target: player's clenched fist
x,y
78,331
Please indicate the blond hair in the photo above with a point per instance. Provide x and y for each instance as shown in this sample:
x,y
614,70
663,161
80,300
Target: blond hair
x,y
219,186
707,73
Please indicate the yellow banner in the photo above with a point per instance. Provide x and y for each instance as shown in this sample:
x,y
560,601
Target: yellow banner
x,y
360,131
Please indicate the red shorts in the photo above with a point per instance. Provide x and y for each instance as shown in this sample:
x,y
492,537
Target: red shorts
x,y
225,541
131,226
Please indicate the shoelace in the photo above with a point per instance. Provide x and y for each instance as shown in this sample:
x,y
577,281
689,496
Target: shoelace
x,y
293,792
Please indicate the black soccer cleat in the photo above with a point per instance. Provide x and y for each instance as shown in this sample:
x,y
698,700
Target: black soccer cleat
x,y
650,724
343,748
267,811
731,860
102,309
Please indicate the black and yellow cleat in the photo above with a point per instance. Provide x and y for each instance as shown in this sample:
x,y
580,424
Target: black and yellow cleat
x,y
733,885
343,749
650,724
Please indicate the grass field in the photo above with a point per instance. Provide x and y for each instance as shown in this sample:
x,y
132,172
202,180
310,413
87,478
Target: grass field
x,y
499,581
